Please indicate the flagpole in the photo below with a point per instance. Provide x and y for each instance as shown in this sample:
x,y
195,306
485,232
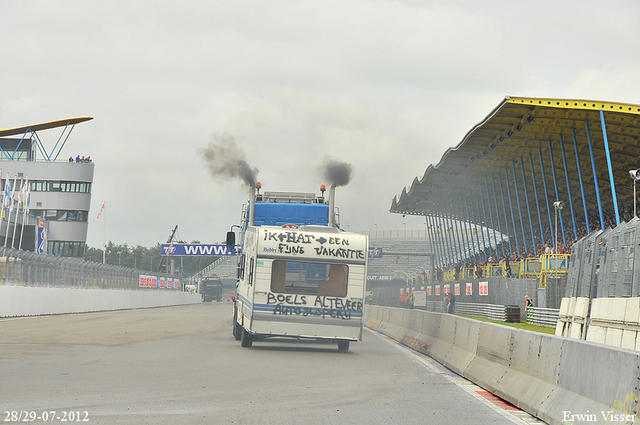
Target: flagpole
x,y
25,209
104,236
6,236
15,224
2,204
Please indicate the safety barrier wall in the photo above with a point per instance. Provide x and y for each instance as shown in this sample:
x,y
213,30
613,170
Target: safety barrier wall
x,y
33,301
611,321
559,380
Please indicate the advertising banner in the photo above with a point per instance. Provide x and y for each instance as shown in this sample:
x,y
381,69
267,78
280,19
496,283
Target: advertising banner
x,y
194,249
146,281
41,236
375,252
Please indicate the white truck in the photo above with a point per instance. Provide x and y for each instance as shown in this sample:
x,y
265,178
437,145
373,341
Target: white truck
x,y
298,280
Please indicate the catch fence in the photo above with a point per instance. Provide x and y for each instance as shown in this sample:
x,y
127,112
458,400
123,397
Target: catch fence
x,y
25,268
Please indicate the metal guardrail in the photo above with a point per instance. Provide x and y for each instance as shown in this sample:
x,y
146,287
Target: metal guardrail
x,y
490,311
543,316
25,268
548,265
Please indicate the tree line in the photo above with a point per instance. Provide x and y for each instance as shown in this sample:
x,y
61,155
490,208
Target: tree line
x,y
143,258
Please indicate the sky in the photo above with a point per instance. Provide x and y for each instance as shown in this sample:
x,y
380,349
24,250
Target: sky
x,y
385,86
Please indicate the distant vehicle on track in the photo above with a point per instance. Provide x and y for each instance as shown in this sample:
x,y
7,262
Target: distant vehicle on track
x,y
211,289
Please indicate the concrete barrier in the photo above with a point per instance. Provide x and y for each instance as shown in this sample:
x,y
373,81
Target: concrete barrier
x,y
33,301
557,379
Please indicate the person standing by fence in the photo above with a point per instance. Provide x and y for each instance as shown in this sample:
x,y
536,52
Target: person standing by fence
x,y
529,308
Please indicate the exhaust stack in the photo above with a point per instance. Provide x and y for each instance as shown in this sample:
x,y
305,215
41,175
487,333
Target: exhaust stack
x,y
252,202
332,201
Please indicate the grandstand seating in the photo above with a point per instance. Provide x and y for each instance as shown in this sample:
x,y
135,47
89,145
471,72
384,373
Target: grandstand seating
x,y
225,268
390,263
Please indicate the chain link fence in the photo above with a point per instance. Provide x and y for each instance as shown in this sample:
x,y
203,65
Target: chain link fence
x,y
25,268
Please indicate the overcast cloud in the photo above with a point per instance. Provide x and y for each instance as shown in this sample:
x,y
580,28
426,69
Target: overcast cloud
x,y
386,86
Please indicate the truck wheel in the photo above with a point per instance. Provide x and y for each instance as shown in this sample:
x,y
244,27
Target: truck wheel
x,y
245,340
343,346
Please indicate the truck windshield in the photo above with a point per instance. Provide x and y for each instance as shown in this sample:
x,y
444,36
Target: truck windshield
x,y
296,277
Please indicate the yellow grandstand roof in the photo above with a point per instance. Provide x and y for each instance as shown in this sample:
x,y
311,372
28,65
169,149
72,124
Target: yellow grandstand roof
x,y
518,127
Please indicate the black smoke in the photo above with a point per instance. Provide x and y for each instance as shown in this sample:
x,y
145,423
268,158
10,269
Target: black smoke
x,y
337,173
225,159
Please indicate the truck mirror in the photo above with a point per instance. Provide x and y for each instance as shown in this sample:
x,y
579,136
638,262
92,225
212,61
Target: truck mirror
x,y
231,239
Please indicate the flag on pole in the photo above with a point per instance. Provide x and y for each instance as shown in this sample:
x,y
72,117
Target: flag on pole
x,y
26,197
25,193
101,211
20,194
13,193
7,192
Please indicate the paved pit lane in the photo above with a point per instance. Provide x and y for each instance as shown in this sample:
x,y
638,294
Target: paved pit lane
x,y
181,364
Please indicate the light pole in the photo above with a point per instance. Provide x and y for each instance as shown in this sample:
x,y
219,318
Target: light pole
x,y
376,224
558,205
635,176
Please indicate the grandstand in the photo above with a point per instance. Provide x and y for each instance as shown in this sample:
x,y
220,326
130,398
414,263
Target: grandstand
x,y
516,170
406,254
552,176
401,258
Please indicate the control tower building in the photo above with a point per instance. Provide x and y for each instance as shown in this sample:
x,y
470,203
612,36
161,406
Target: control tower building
x,y
60,190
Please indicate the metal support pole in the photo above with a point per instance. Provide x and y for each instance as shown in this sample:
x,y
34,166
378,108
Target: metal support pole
x,y
486,225
445,239
495,238
495,202
595,176
513,220
584,199
456,235
535,192
451,238
465,224
556,251
479,223
433,245
566,174
438,233
432,237
546,195
515,184
471,220
555,186
606,149
458,224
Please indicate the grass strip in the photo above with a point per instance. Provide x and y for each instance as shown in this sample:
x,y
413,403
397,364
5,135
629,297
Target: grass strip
x,y
522,325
